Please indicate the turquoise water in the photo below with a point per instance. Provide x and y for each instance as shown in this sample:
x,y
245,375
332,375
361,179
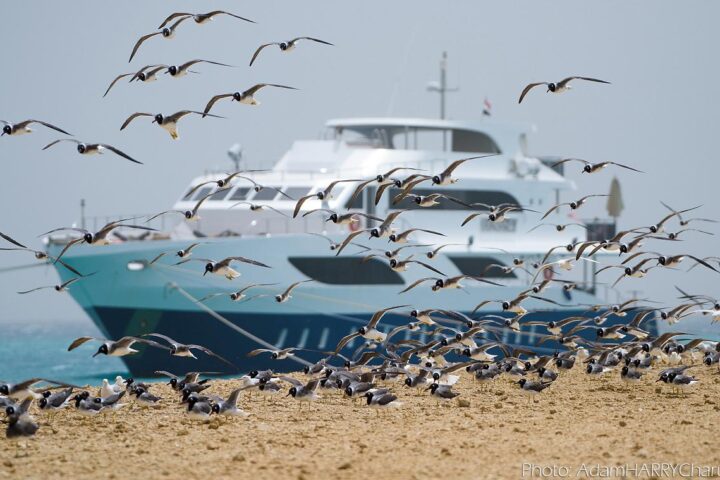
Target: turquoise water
x,y
32,350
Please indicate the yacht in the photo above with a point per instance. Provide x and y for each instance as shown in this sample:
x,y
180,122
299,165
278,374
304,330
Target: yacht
x,y
133,295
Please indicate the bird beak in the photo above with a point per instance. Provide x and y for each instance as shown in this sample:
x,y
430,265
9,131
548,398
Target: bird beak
x,y
288,394
204,273
327,220
154,121
659,379
96,354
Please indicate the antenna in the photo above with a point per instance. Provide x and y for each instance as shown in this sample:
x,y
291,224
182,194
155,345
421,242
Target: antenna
x,y
235,153
441,86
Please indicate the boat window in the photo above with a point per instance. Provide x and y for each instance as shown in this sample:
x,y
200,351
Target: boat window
x,y
473,142
346,270
219,195
295,192
488,197
266,193
240,193
202,192
474,265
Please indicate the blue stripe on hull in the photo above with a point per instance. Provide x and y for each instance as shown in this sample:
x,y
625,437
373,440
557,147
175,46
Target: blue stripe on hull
x,y
315,332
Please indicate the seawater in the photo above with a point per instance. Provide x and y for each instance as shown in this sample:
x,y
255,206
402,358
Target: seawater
x,y
29,349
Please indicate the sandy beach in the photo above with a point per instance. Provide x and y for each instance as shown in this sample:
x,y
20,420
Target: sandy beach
x,y
490,434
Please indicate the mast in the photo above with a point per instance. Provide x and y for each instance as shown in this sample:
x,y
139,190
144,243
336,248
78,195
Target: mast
x,y
441,86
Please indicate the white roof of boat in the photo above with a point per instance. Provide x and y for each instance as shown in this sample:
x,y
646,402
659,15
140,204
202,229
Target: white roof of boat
x,y
425,123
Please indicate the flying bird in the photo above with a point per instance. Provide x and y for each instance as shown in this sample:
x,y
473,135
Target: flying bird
x,y
93,148
445,177
95,238
178,349
285,296
115,348
23,127
63,287
202,18
320,195
286,46
188,214
166,122
139,74
573,205
178,71
247,97
589,167
167,32
557,87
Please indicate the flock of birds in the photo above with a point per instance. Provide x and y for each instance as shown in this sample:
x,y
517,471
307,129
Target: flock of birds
x,y
626,346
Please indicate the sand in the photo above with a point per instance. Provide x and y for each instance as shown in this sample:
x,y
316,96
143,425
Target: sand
x,y
578,420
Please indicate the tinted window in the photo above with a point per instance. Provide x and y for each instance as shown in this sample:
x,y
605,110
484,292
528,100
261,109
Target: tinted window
x,y
219,195
202,192
346,270
488,197
296,192
240,193
266,194
472,265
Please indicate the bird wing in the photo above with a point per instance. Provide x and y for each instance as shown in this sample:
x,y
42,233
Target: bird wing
x,y
245,260
255,88
343,341
119,152
451,168
258,351
115,81
213,100
418,282
318,210
11,240
69,282
207,351
36,289
223,12
174,16
300,202
553,209
529,87
292,287
79,341
428,267
292,381
48,125
379,314
164,213
565,160
260,49
626,166
196,187
164,337
567,80
312,39
140,42
60,140
361,186
349,239
133,117
189,64
128,341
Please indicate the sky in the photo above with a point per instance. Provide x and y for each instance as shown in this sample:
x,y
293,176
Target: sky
x,y
659,114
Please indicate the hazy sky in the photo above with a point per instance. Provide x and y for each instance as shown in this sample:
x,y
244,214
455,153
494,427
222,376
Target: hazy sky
x,y
659,115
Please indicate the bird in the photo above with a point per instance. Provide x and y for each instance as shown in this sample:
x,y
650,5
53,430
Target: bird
x,y
589,167
322,194
573,205
684,222
40,255
21,128
202,18
560,227
166,122
342,219
55,401
187,251
224,266
383,179
145,398
433,253
402,265
20,423
369,331
285,46
95,238
178,349
285,296
450,282
229,407
190,215
24,389
198,409
139,75
115,348
84,148
256,207
246,97
167,32
183,69
445,177
381,400
63,287
557,87
274,353
442,392
108,389
178,383
237,295
222,182
402,237
86,405
303,392
532,387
